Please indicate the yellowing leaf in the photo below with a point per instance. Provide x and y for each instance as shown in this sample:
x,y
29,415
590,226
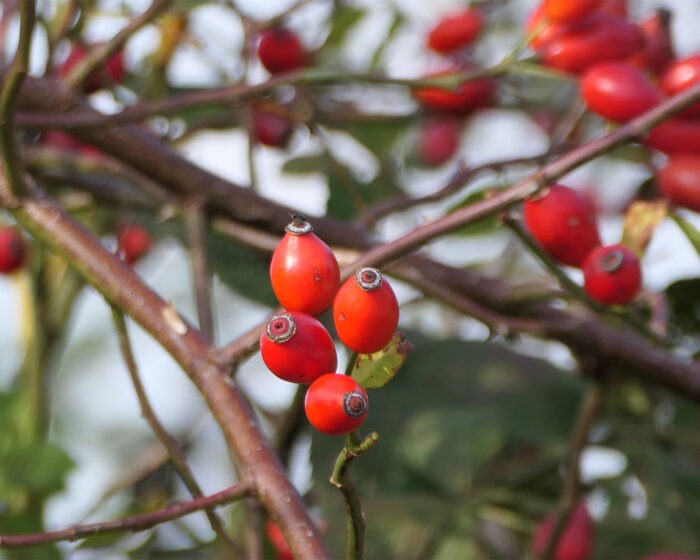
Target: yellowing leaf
x,y
641,220
376,370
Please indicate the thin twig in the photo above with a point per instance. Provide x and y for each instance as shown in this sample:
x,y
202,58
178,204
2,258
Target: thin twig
x,y
98,55
460,178
587,414
176,454
244,346
133,523
10,92
238,93
196,224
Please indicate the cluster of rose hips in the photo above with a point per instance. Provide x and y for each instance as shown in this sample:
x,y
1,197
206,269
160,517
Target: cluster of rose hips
x,y
620,91
563,222
298,348
626,69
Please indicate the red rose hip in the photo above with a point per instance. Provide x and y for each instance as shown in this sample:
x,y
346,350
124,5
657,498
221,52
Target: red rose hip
x,y
304,273
677,135
612,275
271,129
658,51
366,311
463,100
575,543
281,50
619,91
296,347
438,139
456,31
133,242
279,543
567,11
13,251
575,47
679,180
336,404
678,76
113,72
563,222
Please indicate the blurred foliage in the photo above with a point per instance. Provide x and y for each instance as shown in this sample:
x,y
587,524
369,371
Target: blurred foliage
x,y
683,300
476,436
465,423
30,472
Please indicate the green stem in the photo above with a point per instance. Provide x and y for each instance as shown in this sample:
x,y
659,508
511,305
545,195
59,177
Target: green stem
x,y
352,361
31,377
341,478
10,93
688,229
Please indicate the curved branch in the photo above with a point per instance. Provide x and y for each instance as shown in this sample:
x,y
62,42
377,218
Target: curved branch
x,y
259,466
133,523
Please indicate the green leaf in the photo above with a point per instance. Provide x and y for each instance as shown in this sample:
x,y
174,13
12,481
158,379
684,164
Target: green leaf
x,y
486,225
244,270
449,446
39,469
348,197
344,19
684,300
379,137
690,231
305,164
462,419
373,371
396,24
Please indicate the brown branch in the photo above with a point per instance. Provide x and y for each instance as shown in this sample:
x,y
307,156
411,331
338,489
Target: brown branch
x,y
461,177
175,452
587,414
238,93
259,467
133,523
